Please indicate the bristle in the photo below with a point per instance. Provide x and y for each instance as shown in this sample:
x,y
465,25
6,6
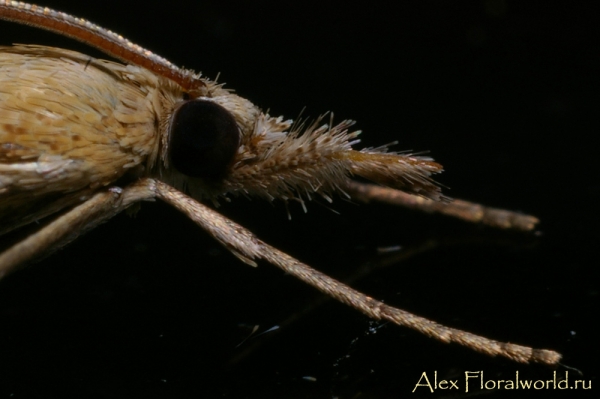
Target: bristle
x,y
281,159
405,172
279,164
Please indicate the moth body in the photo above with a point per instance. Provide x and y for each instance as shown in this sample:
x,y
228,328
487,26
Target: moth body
x,y
83,139
71,124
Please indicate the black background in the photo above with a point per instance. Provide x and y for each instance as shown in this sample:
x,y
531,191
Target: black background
x,y
503,93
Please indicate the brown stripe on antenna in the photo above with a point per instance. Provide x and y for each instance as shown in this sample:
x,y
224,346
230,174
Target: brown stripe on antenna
x,y
105,40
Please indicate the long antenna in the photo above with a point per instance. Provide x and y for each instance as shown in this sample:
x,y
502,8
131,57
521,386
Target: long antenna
x,y
105,40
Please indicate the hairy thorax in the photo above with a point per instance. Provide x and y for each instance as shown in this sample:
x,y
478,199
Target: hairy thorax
x,y
70,123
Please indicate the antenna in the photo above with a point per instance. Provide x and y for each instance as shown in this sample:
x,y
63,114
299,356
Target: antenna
x,y
105,40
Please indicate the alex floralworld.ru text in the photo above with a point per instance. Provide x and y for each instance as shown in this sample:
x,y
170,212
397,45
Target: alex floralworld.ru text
x,y
476,380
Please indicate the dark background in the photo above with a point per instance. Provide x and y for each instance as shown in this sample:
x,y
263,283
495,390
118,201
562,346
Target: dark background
x,y
503,93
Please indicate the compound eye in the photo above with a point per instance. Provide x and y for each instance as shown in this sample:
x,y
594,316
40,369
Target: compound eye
x,y
204,138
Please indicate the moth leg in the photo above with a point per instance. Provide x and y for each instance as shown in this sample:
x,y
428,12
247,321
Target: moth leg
x,y
98,208
248,247
465,210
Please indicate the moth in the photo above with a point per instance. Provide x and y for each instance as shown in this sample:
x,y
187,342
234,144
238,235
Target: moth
x,y
83,139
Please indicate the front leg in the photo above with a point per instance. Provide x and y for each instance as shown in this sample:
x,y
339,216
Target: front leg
x,y
100,207
248,247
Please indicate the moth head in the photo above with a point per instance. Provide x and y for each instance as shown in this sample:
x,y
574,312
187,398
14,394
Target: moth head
x,y
223,144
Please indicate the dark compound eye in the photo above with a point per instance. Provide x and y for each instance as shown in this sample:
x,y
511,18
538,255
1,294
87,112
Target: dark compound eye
x,y
204,139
